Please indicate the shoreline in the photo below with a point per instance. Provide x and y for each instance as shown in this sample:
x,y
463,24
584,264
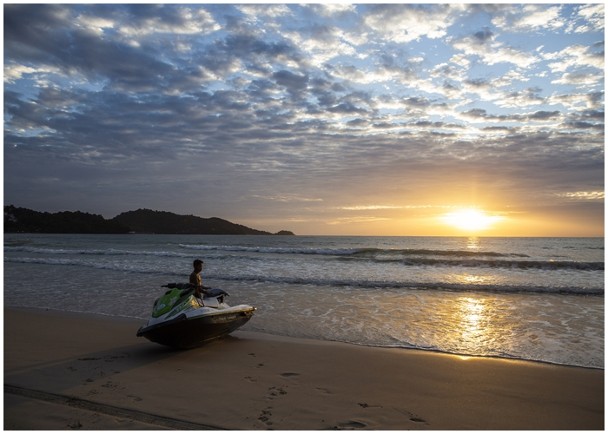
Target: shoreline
x,y
87,371
279,336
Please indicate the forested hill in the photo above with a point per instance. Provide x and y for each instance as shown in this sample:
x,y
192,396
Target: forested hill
x,y
162,222
27,220
140,221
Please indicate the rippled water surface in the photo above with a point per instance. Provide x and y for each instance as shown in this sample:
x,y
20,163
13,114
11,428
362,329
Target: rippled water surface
x,y
529,298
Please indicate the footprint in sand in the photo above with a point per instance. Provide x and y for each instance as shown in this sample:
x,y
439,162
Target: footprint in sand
x,y
265,416
75,425
351,424
289,374
110,385
276,391
366,405
324,390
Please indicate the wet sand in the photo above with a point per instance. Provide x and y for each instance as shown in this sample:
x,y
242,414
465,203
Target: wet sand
x,y
72,371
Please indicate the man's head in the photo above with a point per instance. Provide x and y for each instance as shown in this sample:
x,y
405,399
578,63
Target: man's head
x,y
198,264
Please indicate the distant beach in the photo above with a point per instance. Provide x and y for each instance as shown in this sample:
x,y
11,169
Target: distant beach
x,y
74,371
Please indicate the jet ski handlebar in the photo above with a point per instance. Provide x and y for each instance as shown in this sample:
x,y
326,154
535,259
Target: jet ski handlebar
x,y
213,292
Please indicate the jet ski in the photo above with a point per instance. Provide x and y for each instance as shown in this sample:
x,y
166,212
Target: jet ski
x,y
181,320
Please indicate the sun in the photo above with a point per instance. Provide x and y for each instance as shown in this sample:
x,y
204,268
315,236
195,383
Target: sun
x,y
470,219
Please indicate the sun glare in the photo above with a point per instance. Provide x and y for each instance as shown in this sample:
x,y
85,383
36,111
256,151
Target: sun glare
x,y
470,219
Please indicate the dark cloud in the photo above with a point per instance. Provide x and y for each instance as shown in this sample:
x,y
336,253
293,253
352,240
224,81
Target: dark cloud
x,y
41,38
51,39
244,46
294,83
483,36
543,115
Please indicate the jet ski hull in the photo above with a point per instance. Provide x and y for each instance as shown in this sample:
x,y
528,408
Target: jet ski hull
x,y
185,331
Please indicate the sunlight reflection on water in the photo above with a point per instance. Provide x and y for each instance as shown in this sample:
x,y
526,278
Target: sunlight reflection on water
x,y
503,325
473,243
478,324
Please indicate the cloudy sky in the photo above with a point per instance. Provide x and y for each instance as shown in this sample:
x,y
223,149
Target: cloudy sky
x,y
321,119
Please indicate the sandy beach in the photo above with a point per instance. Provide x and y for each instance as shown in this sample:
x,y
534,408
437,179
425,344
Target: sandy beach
x,y
72,371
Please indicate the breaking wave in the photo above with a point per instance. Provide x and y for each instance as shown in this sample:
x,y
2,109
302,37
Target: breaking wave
x,y
416,257
405,257
312,281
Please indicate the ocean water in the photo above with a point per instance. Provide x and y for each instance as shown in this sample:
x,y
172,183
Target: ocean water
x,y
536,299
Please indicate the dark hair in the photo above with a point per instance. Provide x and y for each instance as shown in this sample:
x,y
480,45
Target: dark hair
x,y
196,262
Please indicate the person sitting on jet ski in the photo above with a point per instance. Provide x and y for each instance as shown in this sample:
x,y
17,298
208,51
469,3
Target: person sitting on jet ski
x,y
196,280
